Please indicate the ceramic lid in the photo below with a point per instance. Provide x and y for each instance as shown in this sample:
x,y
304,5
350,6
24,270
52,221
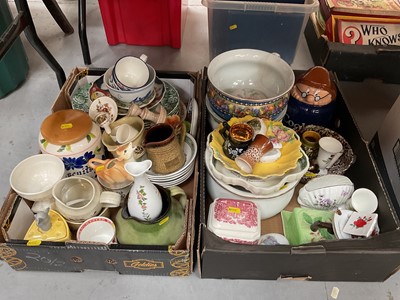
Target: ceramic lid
x,y
66,127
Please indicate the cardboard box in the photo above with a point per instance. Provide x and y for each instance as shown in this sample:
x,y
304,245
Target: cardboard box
x,y
73,256
352,62
371,259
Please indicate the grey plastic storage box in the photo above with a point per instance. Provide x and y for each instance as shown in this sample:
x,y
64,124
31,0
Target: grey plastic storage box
x,y
268,26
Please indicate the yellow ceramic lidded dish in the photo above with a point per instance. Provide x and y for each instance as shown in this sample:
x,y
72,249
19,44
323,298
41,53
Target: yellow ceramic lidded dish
x,y
290,151
58,232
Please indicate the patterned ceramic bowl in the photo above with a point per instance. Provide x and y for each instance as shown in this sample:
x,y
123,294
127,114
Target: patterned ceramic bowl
x,y
249,82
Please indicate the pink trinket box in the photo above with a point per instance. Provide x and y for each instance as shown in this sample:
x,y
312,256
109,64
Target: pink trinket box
x,y
237,221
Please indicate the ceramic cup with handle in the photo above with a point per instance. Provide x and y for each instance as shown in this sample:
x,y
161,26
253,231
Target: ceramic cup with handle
x,y
81,197
237,138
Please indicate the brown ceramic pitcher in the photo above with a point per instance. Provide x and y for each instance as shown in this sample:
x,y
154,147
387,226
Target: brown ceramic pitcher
x,y
164,148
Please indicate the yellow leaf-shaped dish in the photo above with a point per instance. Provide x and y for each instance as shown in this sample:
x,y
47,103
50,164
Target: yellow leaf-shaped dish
x,y
290,151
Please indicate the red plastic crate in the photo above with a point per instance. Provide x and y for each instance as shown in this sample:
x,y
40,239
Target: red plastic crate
x,y
144,22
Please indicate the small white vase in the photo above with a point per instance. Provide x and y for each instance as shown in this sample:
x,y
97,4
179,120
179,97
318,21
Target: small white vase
x,y
144,201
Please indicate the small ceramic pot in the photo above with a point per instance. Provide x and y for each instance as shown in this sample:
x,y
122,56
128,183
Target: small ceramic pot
x,y
72,136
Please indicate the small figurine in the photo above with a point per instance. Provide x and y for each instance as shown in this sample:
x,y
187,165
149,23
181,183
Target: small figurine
x,y
312,100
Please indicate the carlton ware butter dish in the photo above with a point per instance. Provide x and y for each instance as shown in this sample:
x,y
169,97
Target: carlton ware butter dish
x,y
237,221
326,192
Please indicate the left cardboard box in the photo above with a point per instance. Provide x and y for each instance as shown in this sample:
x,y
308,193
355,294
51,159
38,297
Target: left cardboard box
x,y
73,256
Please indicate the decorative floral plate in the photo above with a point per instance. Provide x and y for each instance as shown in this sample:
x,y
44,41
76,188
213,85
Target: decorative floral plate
x,y
170,100
276,132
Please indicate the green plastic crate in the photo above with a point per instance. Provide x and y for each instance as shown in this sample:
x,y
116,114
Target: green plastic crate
x,y
14,65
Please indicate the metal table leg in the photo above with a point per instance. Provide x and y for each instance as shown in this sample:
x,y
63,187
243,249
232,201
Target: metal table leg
x,y
82,32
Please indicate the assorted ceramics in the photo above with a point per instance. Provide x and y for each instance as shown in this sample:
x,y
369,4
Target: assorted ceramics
x,y
72,136
342,164
112,145
237,221
33,178
256,185
326,192
278,134
269,205
249,82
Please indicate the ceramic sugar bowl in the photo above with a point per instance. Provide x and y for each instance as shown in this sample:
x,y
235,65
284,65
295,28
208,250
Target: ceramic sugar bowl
x,y
72,136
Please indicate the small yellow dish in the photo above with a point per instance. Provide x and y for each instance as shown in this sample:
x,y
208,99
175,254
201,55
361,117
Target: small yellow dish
x,y
59,231
290,151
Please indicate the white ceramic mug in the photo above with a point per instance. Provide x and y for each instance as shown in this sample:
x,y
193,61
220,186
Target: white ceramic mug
x,y
330,149
363,201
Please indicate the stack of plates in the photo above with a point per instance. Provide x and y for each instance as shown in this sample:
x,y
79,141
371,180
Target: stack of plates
x,y
181,175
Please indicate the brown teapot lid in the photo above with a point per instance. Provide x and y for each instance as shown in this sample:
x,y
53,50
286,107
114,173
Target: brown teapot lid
x,y
66,127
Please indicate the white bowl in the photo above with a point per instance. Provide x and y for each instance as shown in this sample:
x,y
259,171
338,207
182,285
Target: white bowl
x,y
326,192
269,205
141,96
34,177
96,229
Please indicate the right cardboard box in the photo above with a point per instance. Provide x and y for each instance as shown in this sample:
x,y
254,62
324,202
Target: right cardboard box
x,y
363,107
352,62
